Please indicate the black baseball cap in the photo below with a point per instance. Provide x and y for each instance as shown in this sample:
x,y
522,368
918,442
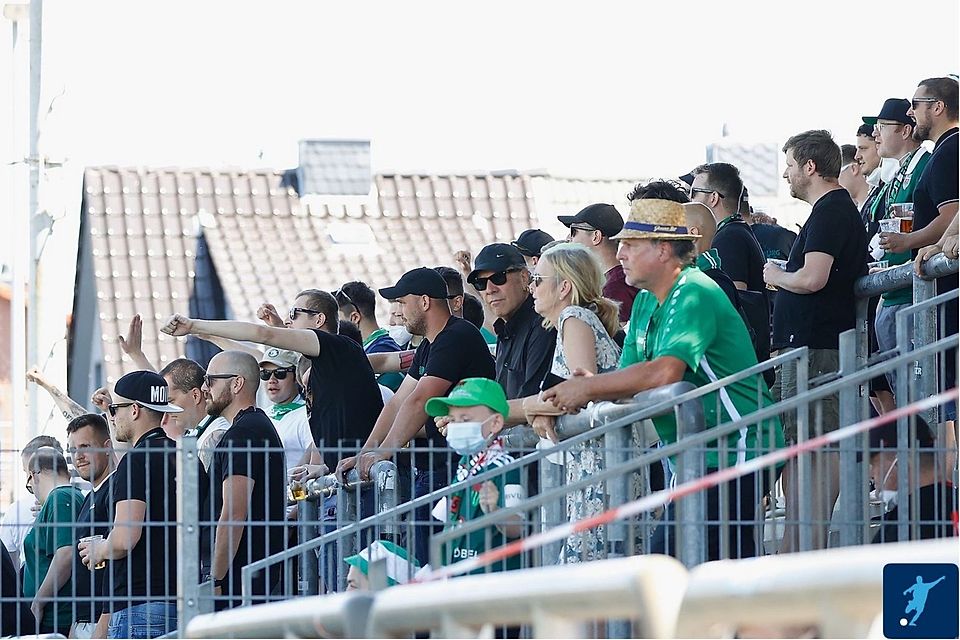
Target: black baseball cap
x,y
530,242
893,109
497,257
422,281
603,217
146,388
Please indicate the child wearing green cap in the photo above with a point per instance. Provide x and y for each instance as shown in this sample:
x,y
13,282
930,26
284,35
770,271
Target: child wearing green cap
x,y
477,408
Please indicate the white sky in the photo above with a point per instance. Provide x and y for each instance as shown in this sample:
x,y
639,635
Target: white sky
x,y
610,89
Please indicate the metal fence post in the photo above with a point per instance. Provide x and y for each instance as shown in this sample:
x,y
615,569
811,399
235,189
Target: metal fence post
x,y
188,533
691,510
851,490
384,474
308,513
615,444
804,461
553,512
924,333
347,508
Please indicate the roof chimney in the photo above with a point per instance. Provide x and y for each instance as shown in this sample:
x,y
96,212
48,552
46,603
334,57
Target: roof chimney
x,y
334,168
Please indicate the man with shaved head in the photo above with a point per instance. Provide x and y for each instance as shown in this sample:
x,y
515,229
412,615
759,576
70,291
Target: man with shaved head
x,y
700,220
248,479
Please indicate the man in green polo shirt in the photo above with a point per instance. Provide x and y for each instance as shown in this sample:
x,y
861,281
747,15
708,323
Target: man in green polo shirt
x,y
683,327
893,129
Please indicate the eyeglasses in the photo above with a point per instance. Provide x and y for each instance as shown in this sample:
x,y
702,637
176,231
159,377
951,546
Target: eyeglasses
x,y
879,125
915,102
499,278
581,227
279,374
295,310
112,408
210,377
536,279
694,190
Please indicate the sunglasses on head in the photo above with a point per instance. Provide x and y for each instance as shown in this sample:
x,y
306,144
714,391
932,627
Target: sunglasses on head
x,y
499,278
279,374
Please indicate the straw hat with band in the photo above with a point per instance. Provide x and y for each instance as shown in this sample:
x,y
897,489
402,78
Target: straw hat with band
x,y
655,220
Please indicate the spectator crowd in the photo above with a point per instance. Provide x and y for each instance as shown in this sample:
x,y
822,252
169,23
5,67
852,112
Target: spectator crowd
x,y
693,286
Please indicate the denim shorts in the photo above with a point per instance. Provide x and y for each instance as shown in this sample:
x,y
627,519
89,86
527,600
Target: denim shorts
x,y
143,621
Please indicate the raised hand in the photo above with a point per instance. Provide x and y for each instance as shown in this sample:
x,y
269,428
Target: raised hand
x,y
463,261
178,325
132,345
267,313
101,399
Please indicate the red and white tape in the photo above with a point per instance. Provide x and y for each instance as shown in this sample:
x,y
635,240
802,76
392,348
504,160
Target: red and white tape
x,y
660,498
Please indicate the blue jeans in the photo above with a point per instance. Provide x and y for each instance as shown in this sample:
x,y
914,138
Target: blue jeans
x,y
144,621
886,328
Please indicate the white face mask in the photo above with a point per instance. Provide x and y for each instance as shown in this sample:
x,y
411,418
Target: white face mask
x,y
466,438
400,334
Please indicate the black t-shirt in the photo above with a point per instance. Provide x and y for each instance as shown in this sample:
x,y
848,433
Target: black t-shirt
x,y
252,448
458,352
148,473
93,519
524,351
775,241
346,397
816,320
938,186
740,254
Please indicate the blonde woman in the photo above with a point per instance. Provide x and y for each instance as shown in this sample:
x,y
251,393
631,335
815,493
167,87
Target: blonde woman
x,y
567,291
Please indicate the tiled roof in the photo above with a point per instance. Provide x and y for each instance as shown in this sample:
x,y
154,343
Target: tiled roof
x,y
267,244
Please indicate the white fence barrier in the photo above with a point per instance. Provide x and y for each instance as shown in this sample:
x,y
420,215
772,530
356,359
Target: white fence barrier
x,y
839,592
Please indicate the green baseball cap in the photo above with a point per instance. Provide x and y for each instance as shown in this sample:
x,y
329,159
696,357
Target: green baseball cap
x,y
400,566
471,392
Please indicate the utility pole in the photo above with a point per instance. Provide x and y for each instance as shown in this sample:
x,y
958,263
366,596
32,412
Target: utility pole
x,y
35,162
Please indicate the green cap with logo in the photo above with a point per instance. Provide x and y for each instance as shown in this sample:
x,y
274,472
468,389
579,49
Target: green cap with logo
x,y
471,392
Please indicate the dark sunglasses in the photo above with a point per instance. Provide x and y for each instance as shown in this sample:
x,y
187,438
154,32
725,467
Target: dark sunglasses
x,y
694,190
499,278
295,310
279,374
210,377
915,102
112,408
